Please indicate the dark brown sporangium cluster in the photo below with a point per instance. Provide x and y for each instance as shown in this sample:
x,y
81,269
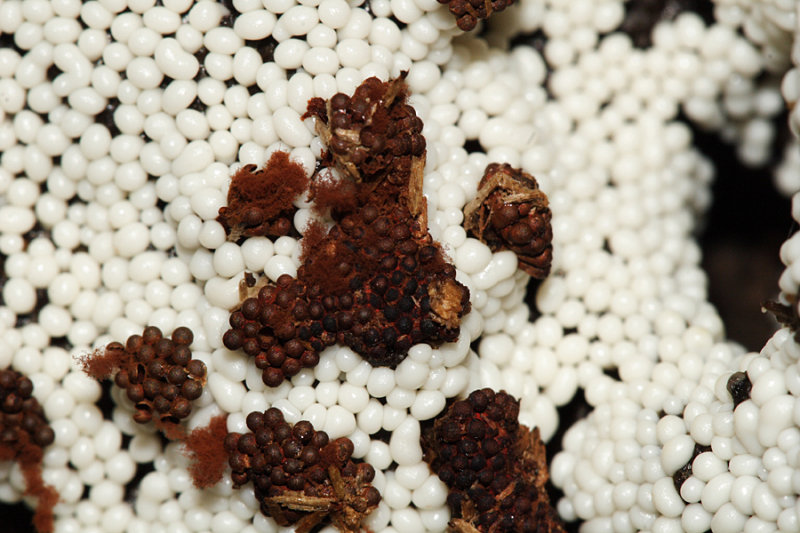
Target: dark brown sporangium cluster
x,y
374,280
510,212
469,12
495,468
157,373
299,475
24,433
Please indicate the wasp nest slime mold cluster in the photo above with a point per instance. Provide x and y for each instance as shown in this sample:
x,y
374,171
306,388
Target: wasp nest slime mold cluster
x,y
388,265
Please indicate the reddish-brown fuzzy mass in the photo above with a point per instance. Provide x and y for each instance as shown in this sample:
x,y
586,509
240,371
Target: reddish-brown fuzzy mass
x,y
375,281
205,448
24,433
260,201
101,364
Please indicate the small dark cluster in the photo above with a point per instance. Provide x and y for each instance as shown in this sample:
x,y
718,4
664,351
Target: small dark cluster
x,y
157,373
299,475
372,132
685,472
739,386
510,212
375,281
260,201
22,417
469,12
495,468
24,433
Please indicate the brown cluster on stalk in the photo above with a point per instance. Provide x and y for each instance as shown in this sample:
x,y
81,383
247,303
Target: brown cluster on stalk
x,y
469,12
157,373
300,476
495,468
24,433
510,212
374,279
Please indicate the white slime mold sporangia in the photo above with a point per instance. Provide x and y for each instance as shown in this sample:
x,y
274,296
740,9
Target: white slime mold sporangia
x,y
121,122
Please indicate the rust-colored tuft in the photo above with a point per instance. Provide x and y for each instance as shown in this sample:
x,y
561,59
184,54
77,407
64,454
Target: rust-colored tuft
x,y
24,433
375,281
510,212
260,201
495,468
102,364
300,477
205,448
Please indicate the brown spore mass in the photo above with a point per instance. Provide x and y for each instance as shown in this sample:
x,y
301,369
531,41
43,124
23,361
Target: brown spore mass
x,y
510,212
205,448
261,201
24,433
373,280
300,476
157,373
495,468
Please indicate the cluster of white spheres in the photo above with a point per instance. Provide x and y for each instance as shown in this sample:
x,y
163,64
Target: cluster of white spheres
x,y
121,122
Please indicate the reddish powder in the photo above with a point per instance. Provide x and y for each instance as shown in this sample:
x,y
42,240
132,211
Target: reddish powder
x,y
101,363
314,235
46,496
336,196
205,447
273,188
29,457
171,430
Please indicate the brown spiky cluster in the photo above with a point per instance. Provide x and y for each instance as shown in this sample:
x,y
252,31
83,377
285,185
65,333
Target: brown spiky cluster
x,y
495,468
260,201
300,476
469,12
510,212
157,373
24,433
375,281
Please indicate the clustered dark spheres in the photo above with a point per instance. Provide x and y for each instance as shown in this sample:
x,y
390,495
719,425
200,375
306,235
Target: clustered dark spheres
x,y
300,476
495,468
374,281
24,434
157,373
22,417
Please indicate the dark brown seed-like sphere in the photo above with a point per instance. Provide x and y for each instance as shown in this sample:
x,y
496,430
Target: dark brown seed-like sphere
x,y
183,336
151,334
191,389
